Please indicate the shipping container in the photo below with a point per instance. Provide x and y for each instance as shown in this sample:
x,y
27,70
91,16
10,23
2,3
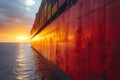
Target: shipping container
x,y
54,8
61,3
49,12
53,2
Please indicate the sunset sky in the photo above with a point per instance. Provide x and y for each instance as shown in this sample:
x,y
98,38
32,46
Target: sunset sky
x,y
16,19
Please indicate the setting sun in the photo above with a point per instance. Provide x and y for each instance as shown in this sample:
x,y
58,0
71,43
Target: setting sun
x,y
22,38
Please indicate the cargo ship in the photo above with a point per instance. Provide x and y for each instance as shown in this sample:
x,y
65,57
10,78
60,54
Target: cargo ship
x,y
80,37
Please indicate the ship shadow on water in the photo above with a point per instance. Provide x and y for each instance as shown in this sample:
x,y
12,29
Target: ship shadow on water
x,y
47,70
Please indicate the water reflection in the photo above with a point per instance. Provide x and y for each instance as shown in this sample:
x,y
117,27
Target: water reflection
x,y
25,65
20,70
42,71
20,62
30,65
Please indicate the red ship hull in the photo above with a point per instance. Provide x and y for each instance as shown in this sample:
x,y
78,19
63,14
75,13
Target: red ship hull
x,y
84,41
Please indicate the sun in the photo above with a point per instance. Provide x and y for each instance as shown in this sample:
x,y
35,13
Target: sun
x,y
22,38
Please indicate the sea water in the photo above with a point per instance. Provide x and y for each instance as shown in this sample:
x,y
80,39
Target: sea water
x,y
18,61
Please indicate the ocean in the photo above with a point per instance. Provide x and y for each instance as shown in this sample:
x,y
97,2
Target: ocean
x,y
18,61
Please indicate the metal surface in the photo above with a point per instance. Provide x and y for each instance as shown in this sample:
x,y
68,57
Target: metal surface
x,y
84,40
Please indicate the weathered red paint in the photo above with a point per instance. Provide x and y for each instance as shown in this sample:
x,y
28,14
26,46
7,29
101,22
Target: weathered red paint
x,y
84,41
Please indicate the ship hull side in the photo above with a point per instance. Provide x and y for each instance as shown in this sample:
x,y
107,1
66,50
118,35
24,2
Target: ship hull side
x,y
84,40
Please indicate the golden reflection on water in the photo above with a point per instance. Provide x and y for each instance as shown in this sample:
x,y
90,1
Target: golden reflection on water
x,y
29,66
21,66
22,63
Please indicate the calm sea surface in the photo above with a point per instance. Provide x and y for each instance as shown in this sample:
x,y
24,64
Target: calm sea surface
x,y
19,62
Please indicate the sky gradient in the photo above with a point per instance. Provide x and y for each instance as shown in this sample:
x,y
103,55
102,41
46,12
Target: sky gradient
x,y
16,18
